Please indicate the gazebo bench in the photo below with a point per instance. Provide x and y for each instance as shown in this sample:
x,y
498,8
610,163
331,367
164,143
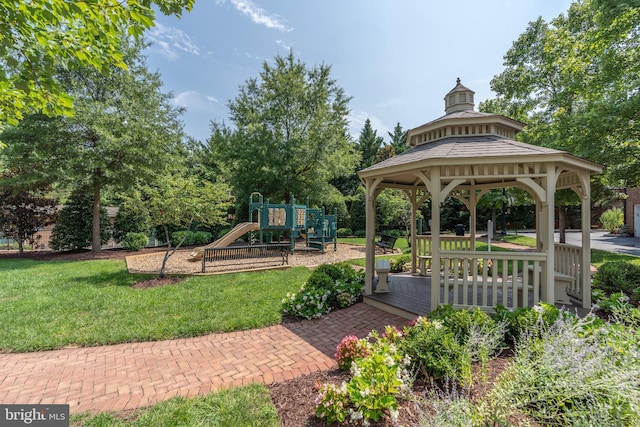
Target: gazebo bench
x,y
386,242
561,282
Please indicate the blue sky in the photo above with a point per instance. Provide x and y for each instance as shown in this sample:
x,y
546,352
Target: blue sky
x,y
396,59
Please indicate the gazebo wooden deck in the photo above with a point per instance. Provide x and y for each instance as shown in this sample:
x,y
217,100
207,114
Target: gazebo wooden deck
x,y
409,296
464,154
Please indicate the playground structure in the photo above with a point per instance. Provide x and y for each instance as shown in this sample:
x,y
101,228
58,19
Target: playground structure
x,y
317,228
270,221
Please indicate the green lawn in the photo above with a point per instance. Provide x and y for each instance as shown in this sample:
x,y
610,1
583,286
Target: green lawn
x,y
249,406
49,305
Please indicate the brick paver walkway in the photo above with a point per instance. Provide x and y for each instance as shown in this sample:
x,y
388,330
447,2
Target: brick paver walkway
x,y
127,376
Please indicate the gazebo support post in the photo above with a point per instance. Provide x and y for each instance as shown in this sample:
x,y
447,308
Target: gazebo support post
x,y
548,229
472,211
413,198
371,189
585,263
435,237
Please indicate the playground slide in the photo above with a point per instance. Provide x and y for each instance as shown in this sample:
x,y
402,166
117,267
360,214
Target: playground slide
x,y
230,237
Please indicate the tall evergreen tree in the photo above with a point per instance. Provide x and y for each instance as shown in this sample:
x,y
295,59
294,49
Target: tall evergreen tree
x,y
398,139
368,144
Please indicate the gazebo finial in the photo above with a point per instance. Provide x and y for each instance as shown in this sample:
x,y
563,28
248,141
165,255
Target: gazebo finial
x,y
458,81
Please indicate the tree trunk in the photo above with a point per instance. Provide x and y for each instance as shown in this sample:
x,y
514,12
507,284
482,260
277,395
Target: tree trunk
x,y
20,246
562,217
95,234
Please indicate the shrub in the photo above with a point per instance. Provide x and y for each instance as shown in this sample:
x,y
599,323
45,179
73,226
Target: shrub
x,y
360,233
481,336
375,382
191,237
376,379
619,276
332,403
320,280
530,320
308,304
400,263
344,232
394,233
74,227
223,232
132,217
435,352
612,219
341,284
576,373
134,241
350,348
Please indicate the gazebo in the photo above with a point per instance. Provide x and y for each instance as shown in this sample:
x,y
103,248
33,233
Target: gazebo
x,y
464,154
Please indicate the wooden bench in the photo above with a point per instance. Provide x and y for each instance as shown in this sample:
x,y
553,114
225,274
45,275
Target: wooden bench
x,y
386,242
233,255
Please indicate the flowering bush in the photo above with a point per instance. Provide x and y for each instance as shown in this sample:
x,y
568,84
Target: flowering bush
x,y
350,349
308,304
378,375
332,403
376,380
330,286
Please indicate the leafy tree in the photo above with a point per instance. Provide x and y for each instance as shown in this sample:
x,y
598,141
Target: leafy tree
x,y
575,81
394,208
398,139
174,200
24,211
368,145
124,130
290,136
39,36
73,229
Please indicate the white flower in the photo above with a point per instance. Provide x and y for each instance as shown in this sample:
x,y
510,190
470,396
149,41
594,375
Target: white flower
x,y
394,415
355,415
355,371
437,324
366,392
388,361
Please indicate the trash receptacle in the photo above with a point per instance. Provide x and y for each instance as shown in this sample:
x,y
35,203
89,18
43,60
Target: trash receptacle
x,y
459,229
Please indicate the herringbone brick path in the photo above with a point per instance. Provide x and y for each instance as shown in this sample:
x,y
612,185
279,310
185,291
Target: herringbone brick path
x,y
127,376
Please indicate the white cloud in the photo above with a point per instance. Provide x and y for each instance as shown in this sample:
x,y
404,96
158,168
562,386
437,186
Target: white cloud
x,y
284,44
391,103
259,16
357,120
170,42
193,101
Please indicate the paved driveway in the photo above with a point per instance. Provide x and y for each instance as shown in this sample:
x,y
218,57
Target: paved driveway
x,y
601,240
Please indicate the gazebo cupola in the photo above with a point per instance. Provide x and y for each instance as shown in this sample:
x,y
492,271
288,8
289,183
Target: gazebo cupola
x,y
460,98
461,120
